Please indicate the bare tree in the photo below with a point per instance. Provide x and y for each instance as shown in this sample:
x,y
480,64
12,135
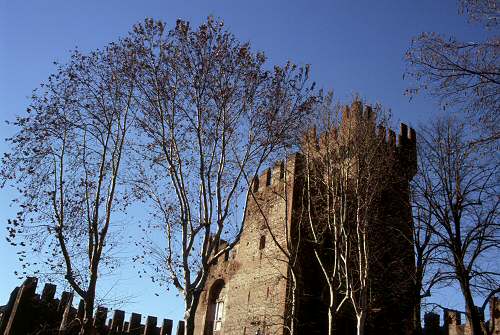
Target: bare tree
x,y
486,12
458,189
320,181
428,274
347,173
212,117
463,75
67,162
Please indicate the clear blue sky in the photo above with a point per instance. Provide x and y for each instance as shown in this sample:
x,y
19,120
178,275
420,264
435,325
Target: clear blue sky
x,y
354,46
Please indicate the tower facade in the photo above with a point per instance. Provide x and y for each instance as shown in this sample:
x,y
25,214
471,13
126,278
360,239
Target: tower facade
x,y
246,292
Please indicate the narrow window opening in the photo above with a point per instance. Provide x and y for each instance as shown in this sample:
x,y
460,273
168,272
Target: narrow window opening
x,y
282,170
262,243
268,177
255,184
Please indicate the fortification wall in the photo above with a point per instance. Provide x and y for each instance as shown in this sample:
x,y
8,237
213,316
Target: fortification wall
x,y
29,313
453,325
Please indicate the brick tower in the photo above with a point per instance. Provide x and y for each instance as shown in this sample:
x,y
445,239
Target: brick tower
x,y
248,291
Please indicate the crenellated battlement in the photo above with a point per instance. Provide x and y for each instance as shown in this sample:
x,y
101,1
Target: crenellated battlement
x,y
406,137
453,325
357,112
27,313
402,144
270,177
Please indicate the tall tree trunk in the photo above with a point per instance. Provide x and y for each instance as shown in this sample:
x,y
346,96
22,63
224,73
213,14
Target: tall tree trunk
x,y
417,320
361,313
331,320
88,319
331,310
360,322
293,302
190,313
470,308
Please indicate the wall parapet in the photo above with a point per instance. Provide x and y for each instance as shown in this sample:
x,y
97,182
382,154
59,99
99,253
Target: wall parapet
x,y
270,177
452,321
403,144
27,312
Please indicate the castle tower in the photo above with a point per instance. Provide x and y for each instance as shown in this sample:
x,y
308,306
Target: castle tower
x,y
248,292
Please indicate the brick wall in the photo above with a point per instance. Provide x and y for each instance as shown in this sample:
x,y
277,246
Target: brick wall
x,y
29,313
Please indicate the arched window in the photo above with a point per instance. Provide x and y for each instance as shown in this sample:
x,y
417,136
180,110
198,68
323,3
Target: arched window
x,y
215,308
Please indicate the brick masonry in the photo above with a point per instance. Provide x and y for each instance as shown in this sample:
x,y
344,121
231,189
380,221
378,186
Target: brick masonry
x,y
255,273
